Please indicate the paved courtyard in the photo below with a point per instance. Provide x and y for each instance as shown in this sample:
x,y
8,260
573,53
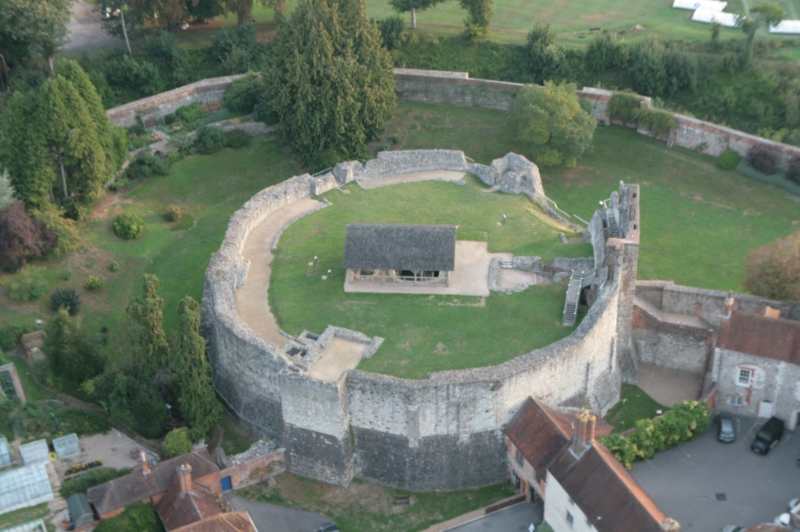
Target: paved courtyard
x,y
512,519
706,484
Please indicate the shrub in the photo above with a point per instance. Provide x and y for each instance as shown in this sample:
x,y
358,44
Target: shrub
x,y
605,53
323,160
729,159
263,112
656,121
129,226
210,140
28,285
67,298
10,334
244,94
146,164
83,423
90,479
392,29
191,112
183,143
177,442
113,266
137,517
67,275
763,159
544,527
170,118
93,283
773,270
793,173
174,213
624,106
236,138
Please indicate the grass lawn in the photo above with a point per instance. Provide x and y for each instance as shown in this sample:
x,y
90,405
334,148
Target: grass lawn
x,y
634,404
423,333
698,221
366,507
23,515
33,392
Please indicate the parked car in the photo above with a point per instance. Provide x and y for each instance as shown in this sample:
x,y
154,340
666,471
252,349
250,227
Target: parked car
x,y
793,503
783,520
768,436
328,527
732,528
725,429
109,13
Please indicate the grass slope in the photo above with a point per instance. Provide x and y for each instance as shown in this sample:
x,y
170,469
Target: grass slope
x,y
698,221
368,507
423,333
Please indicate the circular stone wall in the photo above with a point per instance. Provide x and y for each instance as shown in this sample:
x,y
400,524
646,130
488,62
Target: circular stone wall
x,y
441,432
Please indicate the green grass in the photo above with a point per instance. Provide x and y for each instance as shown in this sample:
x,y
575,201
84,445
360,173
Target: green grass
x,y
634,404
423,333
23,515
697,221
236,439
368,507
33,392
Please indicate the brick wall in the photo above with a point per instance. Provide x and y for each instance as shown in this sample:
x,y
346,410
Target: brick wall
x,y
256,470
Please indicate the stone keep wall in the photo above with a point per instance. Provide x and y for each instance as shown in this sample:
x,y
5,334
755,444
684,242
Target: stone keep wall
x,y
416,434
670,345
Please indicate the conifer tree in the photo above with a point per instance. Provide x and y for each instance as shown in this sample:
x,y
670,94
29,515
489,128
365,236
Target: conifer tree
x,y
197,400
329,80
148,313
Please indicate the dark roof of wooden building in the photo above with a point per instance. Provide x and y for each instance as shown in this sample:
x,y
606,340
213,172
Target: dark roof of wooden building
x,y
400,247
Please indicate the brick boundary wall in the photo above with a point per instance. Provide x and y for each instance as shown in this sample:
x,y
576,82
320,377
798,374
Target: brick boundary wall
x,y
415,434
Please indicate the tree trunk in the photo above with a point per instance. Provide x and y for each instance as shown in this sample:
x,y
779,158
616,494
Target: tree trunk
x,y
413,17
63,177
50,61
124,31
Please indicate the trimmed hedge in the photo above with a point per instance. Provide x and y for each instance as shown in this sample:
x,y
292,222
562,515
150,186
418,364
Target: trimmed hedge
x,y
90,479
729,159
682,423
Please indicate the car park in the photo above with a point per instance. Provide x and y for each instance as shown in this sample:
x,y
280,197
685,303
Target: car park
x,y
732,528
793,504
328,527
725,429
768,436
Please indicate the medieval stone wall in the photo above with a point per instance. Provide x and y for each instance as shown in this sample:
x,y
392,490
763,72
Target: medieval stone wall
x,y
671,345
416,434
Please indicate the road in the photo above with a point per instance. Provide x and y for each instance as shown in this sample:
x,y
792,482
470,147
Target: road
x,y
86,30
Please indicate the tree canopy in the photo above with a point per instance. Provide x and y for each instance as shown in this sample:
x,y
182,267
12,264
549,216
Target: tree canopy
x,y
770,13
28,27
148,313
329,80
22,236
553,125
773,270
411,6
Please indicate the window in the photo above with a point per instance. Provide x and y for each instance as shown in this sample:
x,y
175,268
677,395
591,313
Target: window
x,y
519,457
745,377
735,400
570,519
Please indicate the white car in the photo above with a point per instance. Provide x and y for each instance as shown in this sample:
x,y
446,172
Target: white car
x,y
783,519
793,504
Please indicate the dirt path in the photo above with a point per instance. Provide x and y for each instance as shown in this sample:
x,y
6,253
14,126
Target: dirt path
x,y
86,31
340,356
252,302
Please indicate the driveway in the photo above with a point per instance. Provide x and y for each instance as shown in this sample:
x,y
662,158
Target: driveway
x,y
705,484
86,30
512,519
273,518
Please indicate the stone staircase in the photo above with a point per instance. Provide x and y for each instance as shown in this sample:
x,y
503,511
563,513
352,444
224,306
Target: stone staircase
x,y
613,227
576,282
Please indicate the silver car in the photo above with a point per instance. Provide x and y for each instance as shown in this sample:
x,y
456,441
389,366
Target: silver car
x,y
725,430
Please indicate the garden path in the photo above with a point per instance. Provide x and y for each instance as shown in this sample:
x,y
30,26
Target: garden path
x,y
252,301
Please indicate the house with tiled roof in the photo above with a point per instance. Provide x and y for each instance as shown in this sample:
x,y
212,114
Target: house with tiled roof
x,y
756,364
553,455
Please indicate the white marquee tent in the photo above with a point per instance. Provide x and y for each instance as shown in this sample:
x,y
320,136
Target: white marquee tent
x,y
786,27
711,5
729,20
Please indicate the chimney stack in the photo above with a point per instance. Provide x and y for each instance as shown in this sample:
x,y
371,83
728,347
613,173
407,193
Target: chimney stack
x,y
185,477
143,461
728,307
585,430
670,525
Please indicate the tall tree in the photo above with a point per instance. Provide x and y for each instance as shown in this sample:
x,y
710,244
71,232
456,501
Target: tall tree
x,y
411,6
243,9
199,404
770,13
552,124
31,26
547,60
773,270
72,353
148,313
21,236
57,143
329,80
480,16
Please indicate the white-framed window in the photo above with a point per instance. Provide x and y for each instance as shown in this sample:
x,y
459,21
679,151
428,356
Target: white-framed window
x,y
570,519
736,400
745,377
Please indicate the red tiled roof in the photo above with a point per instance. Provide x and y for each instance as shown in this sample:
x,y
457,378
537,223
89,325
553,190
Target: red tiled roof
x,y
765,337
230,522
121,492
178,509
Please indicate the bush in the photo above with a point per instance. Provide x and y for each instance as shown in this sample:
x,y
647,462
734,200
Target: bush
x,y
763,159
129,226
392,29
210,140
729,159
236,138
177,442
10,334
624,106
793,173
170,119
113,266
28,285
263,112
244,94
656,121
191,112
83,423
67,298
93,283
605,53
183,143
174,213
146,164
90,479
